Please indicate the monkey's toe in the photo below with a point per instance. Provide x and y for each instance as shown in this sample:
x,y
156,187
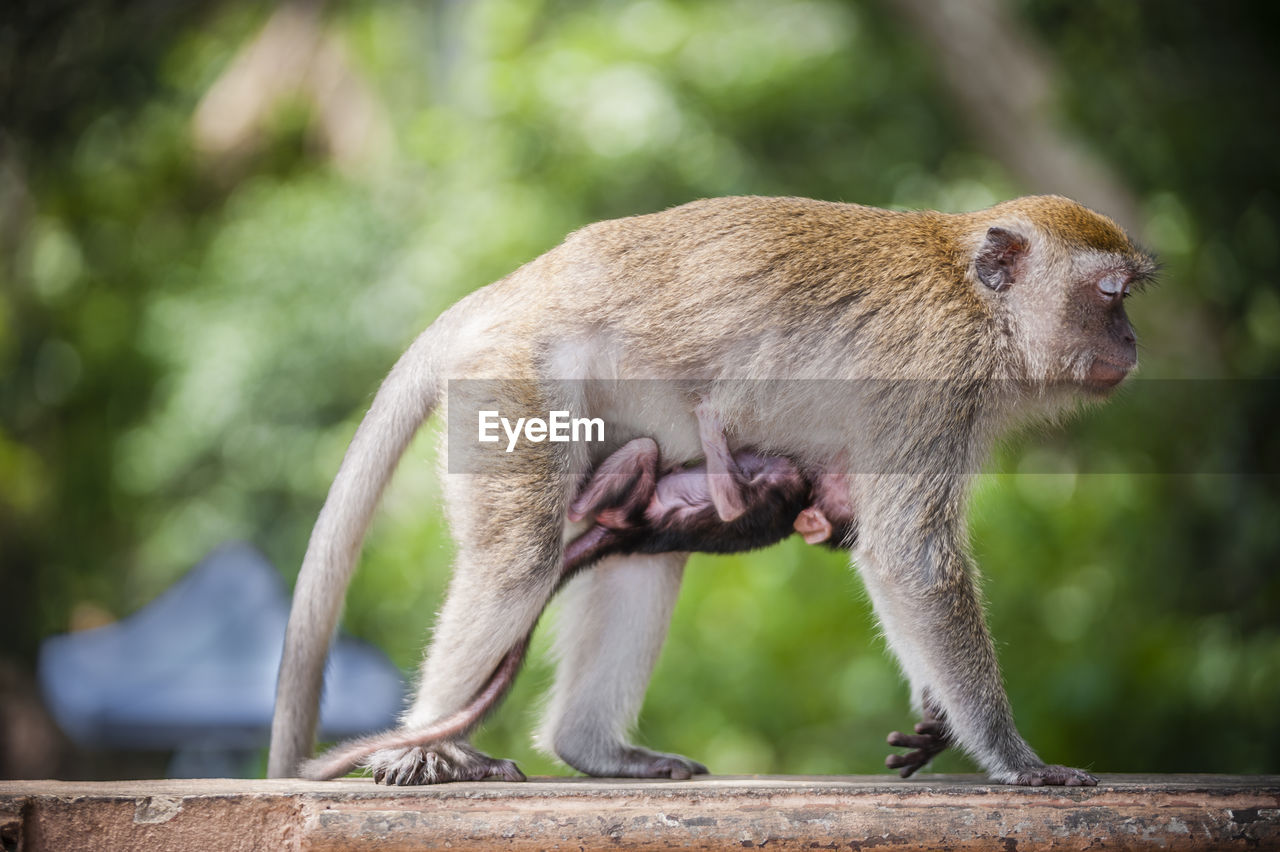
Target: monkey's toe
x,y
1054,776
636,762
676,768
401,767
439,764
506,770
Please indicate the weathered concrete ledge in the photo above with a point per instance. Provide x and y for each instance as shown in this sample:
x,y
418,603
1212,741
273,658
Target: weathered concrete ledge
x,y
864,812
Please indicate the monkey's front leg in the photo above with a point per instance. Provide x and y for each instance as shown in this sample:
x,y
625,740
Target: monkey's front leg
x,y
923,591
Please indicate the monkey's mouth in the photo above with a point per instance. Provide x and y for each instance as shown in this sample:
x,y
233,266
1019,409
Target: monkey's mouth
x,y
1105,375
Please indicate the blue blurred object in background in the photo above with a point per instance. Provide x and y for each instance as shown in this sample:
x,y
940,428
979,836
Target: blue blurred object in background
x,y
195,671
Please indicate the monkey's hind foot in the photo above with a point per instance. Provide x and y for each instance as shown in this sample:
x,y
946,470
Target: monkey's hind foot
x,y
642,763
929,740
439,763
636,762
653,764
624,761
1053,776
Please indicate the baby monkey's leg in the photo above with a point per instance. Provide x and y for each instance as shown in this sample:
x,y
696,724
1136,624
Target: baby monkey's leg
x,y
621,487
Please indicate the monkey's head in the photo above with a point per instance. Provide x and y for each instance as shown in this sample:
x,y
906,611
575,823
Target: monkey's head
x,y
1056,274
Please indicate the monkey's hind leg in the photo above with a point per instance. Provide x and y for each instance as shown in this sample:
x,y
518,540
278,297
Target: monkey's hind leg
x,y
508,530
609,631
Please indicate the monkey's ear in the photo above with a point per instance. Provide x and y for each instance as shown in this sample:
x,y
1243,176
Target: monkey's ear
x,y
1000,258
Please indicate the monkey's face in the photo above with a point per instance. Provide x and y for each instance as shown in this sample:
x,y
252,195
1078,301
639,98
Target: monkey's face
x,y
1095,315
1066,301
1098,345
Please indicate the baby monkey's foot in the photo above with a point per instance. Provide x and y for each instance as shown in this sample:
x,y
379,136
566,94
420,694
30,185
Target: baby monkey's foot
x,y
437,764
813,525
929,740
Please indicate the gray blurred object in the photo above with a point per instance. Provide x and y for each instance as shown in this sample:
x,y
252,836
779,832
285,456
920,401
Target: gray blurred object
x,y
195,671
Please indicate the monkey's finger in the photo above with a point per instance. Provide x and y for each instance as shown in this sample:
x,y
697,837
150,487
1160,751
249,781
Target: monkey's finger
x,y
908,771
911,740
933,728
906,764
913,758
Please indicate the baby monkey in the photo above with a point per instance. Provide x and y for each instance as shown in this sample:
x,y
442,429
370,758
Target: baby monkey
x,y
639,507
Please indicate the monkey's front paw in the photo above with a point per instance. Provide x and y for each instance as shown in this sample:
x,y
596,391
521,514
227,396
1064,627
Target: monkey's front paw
x,y
1054,776
437,764
929,740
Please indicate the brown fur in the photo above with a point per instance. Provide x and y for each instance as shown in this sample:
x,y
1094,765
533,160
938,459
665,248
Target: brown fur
x,y
814,330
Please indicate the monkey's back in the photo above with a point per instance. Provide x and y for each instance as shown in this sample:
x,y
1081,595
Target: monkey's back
x,y
728,286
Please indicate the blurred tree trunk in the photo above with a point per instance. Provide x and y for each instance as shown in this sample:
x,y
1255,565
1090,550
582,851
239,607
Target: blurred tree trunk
x,y
1004,83
294,55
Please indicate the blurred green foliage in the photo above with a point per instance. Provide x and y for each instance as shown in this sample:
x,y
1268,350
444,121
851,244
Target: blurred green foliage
x,y
187,339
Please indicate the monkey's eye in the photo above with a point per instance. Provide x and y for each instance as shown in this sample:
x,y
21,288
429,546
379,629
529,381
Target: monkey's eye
x,y
1113,285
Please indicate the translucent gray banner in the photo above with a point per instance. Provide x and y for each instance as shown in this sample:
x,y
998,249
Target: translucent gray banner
x,y
873,426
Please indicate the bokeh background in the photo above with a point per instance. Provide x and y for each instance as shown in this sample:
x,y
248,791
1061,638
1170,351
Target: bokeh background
x,y
220,222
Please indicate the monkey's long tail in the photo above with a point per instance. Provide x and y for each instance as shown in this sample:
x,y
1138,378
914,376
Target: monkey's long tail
x,y
342,759
406,398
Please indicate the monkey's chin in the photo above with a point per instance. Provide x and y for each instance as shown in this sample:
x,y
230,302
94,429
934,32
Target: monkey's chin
x,y
1104,376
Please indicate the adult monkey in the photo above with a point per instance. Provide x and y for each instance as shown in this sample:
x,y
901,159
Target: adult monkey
x,y
944,329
